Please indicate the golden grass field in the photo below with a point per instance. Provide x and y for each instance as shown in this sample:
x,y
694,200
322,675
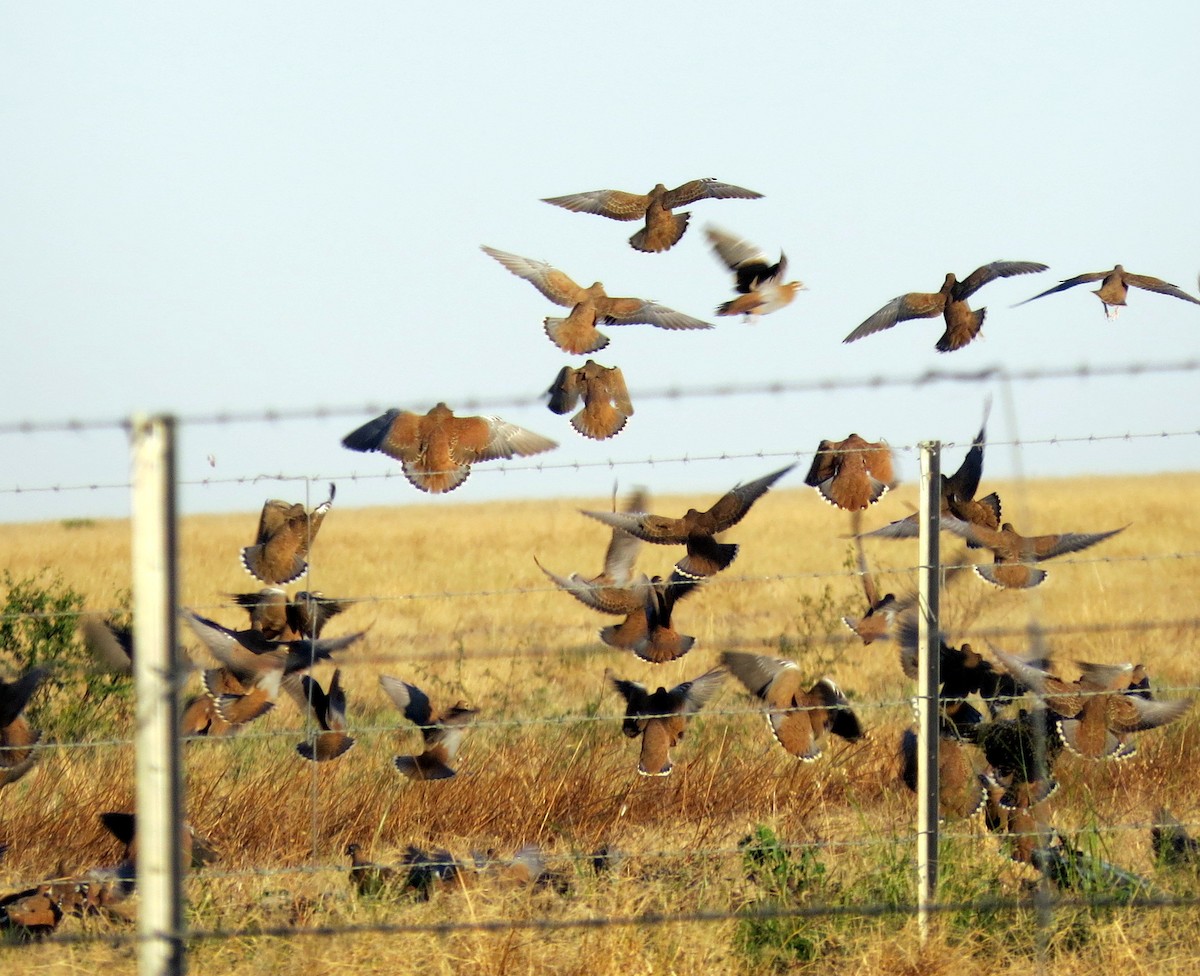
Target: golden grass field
x,y
453,602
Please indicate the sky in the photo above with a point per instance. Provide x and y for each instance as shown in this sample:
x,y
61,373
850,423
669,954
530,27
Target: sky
x,y
238,210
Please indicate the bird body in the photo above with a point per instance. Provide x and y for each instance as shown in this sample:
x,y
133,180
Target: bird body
x,y
663,228
18,739
759,282
606,403
286,531
661,641
589,306
436,449
330,712
950,301
851,474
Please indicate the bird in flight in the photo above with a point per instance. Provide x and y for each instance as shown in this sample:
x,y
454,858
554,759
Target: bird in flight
x,y
759,282
663,228
1114,286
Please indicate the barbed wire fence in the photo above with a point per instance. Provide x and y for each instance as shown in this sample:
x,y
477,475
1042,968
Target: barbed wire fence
x,y
162,937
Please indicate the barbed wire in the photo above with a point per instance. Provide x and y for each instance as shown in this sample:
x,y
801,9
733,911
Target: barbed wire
x,y
824,385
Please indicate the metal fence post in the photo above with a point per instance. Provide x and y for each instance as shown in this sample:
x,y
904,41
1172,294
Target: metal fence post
x,y
928,679
159,813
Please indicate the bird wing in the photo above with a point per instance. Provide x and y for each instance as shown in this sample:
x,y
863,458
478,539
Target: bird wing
x,y
705,189
489,438
734,251
609,385
630,311
965,481
732,507
566,389
1068,283
1128,713
395,433
860,556
1160,286
649,528
990,272
614,204
913,305
1049,546
410,699
551,282
692,695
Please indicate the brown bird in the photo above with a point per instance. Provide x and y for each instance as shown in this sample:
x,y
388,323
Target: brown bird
x,y
277,618
962,324
442,733
1095,714
801,720
660,717
705,556
254,668
285,533
853,473
35,913
759,283
1115,285
590,306
606,403
663,228
18,739
200,711
370,879
1172,844
962,787
330,712
1015,554
109,643
881,610
436,450
615,589
661,642
1021,752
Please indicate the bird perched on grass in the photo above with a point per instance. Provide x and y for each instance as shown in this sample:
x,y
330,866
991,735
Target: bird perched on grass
x,y
589,306
663,228
369,879
436,449
1014,554
852,474
758,282
1114,286
442,733
950,302
329,710
705,556
801,719
660,717
606,403
286,531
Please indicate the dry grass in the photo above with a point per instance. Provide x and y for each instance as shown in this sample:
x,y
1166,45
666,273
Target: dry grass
x,y
454,602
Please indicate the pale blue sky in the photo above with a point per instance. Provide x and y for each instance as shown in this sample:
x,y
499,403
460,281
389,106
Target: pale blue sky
x,y
214,207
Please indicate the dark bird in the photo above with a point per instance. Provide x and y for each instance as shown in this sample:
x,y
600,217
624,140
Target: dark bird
x,y
1172,844
660,717
705,556
758,282
330,712
962,324
1115,285
589,306
1095,714
278,618
661,642
852,474
442,733
800,718
369,879
663,228
606,403
1014,554
286,531
1021,752
436,449
195,851
18,739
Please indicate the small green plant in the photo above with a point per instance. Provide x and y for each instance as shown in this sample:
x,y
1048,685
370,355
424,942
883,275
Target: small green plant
x,y
38,617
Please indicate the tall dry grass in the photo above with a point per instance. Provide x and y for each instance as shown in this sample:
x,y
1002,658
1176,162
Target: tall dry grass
x,y
452,601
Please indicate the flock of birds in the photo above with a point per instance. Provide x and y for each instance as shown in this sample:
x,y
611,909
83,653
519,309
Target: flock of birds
x,y
997,749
